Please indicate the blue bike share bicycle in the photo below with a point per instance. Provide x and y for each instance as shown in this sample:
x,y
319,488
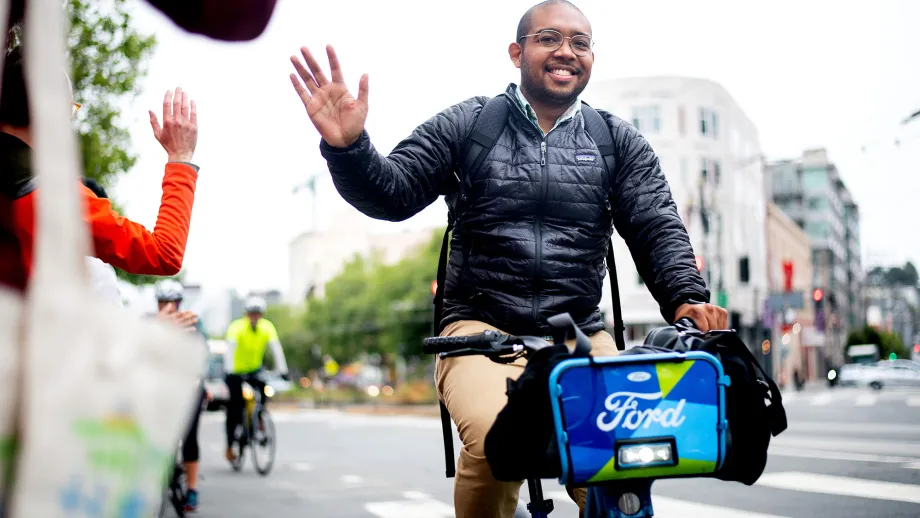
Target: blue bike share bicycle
x,y
620,422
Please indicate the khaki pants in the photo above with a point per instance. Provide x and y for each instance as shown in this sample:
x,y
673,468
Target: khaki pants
x,y
473,389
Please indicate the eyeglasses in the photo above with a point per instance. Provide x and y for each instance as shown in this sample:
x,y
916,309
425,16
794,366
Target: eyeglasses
x,y
75,108
551,41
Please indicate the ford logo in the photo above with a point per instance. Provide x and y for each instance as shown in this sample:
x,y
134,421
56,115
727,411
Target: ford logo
x,y
638,376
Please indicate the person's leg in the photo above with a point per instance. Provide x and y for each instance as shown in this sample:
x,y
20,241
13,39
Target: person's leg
x,y
234,410
190,457
473,389
259,386
602,344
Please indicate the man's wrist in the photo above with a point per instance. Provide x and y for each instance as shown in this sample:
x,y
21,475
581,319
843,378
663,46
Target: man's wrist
x,y
179,157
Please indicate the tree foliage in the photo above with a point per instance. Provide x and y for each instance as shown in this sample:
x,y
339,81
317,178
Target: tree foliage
x,y
895,276
887,342
370,307
109,60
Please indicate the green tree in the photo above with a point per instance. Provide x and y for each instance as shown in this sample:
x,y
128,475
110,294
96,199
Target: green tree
x,y
109,60
371,307
887,342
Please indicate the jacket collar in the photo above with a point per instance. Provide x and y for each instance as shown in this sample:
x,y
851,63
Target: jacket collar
x,y
516,97
16,178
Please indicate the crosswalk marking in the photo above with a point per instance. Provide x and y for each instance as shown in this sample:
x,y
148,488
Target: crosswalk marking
x,y
351,479
866,400
913,401
844,486
840,455
849,444
674,508
912,465
411,508
821,399
850,427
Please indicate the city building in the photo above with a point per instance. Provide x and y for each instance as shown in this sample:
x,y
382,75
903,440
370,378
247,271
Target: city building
x,y
892,308
796,346
809,189
316,257
710,153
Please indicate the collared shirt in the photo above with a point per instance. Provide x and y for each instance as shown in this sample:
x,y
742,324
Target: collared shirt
x,y
532,115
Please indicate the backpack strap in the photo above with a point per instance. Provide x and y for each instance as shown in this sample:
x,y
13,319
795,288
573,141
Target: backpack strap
x,y
486,129
600,133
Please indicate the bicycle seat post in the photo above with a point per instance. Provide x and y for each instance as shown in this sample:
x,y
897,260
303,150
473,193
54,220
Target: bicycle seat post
x,y
538,506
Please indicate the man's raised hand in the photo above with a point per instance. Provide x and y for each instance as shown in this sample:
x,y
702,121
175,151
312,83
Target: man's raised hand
x,y
337,115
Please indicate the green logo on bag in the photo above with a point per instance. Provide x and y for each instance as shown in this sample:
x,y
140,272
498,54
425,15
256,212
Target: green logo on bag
x,y
122,461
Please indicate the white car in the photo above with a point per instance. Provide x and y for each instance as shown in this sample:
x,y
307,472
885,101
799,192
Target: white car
x,y
884,373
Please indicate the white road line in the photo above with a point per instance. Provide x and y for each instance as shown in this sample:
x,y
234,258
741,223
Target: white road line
x,y
913,401
426,508
913,465
866,400
821,399
301,466
416,495
674,508
840,455
861,445
844,486
351,479
838,427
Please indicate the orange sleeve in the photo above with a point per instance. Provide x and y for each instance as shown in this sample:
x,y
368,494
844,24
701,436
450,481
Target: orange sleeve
x,y
121,242
129,246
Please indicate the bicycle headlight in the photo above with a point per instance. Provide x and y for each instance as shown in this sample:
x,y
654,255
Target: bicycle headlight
x,y
269,391
247,393
645,455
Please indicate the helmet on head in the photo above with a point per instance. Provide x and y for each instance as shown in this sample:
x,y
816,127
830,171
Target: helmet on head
x,y
169,290
254,304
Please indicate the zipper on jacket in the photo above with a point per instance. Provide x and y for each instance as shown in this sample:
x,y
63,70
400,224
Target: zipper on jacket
x,y
538,233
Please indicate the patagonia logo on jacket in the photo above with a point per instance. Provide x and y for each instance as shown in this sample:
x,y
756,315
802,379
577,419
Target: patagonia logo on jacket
x,y
584,158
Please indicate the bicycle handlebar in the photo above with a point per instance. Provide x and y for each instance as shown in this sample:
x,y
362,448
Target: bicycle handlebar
x,y
495,344
442,344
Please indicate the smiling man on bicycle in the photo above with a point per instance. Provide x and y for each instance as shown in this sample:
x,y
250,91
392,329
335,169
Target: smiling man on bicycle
x,y
537,215
247,339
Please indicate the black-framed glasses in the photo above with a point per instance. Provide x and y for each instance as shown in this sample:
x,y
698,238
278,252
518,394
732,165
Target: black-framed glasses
x,y
551,40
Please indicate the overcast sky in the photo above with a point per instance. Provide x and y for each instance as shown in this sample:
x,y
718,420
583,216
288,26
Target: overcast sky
x,y
840,75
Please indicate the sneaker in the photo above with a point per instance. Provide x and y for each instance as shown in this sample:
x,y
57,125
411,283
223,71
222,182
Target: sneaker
x,y
191,501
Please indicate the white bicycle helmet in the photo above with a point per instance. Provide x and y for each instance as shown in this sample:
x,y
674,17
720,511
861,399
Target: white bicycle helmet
x,y
254,304
169,290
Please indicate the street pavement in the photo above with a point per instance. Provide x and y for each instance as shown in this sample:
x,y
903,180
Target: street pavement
x,y
847,453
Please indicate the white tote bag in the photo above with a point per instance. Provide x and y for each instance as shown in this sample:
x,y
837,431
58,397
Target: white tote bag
x,y
10,357
107,394
10,346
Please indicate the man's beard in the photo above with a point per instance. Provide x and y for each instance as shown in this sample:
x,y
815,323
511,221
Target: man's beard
x,y
535,87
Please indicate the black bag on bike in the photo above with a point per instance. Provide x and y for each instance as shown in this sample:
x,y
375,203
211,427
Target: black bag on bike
x,y
754,404
521,443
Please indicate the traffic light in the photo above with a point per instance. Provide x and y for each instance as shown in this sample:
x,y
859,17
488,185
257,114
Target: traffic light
x,y
818,295
893,356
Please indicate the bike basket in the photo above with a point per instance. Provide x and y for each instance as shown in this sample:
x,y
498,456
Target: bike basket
x,y
658,415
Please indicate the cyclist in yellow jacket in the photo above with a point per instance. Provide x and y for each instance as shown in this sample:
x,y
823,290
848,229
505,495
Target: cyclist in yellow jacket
x,y
247,339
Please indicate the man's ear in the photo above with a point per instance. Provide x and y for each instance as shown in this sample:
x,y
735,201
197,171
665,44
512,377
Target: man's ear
x,y
514,52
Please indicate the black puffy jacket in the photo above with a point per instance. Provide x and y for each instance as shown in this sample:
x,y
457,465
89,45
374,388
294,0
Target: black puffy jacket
x,y
532,238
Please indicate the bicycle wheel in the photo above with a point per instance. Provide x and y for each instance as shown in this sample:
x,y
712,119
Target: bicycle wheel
x,y
263,444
